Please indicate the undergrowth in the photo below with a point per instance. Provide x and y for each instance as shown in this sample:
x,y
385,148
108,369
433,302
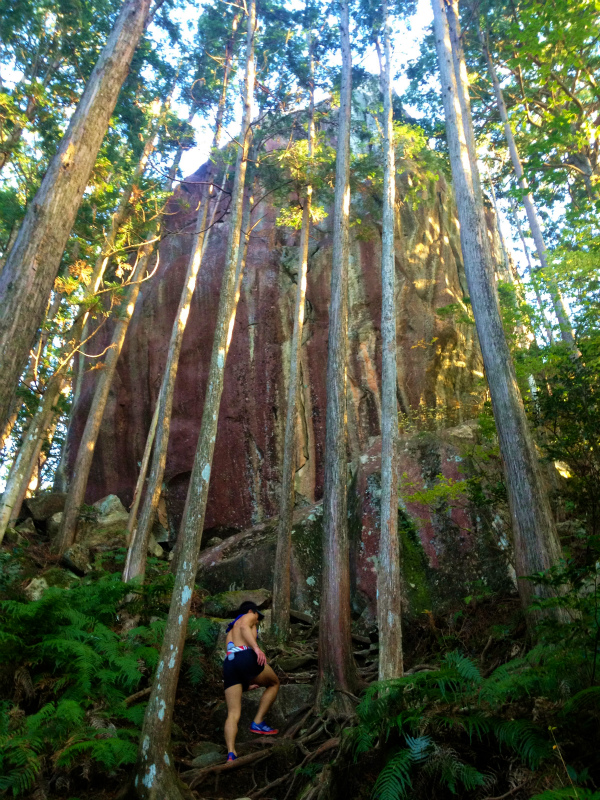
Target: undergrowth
x,y
71,668
533,723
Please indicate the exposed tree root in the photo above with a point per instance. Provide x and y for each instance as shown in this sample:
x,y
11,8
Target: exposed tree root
x,y
195,776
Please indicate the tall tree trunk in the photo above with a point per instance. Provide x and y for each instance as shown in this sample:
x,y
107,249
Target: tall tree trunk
x,y
20,473
33,262
532,275
389,576
281,580
561,312
85,452
135,564
536,543
156,777
12,238
337,670
136,557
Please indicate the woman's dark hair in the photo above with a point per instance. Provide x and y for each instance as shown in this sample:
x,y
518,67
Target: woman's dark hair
x,y
249,605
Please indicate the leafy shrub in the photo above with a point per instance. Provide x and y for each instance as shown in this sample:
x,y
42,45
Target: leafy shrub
x,y
72,670
445,727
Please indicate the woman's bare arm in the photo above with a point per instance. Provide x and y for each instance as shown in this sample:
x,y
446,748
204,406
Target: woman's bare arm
x,y
249,637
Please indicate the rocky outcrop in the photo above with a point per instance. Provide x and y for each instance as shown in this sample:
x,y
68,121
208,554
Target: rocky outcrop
x,y
449,550
439,363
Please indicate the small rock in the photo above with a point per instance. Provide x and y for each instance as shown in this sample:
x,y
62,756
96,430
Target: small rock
x,y
27,527
55,576
208,759
214,542
300,616
53,524
227,603
109,529
160,533
36,588
45,505
202,748
154,549
13,538
294,662
77,557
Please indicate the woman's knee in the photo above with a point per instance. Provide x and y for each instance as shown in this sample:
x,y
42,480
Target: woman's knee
x,y
234,714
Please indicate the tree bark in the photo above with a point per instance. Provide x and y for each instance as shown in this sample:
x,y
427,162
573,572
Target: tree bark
x,y
336,665
21,470
281,580
156,777
32,264
536,543
561,312
389,576
135,564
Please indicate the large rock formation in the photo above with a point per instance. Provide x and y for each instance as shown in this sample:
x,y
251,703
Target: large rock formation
x,y
439,362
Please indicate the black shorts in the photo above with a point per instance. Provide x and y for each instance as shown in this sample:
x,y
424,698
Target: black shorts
x,y
243,668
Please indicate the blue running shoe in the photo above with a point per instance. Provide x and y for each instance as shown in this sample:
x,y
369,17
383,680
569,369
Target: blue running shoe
x,y
263,729
231,757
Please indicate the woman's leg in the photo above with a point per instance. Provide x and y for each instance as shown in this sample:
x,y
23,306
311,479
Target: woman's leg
x,y
269,679
233,697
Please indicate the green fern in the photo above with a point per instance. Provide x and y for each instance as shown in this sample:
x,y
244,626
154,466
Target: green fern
x,y
394,781
570,793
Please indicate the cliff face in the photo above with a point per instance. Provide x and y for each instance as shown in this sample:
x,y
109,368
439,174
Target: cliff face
x,y
439,363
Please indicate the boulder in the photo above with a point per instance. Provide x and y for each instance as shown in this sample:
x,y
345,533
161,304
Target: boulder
x,y
291,699
55,576
27,527
105,525
78,557
202,748
213,541
13,538
247,559
208,759
36,588
45,505
227,603
53,524
439,361
292,663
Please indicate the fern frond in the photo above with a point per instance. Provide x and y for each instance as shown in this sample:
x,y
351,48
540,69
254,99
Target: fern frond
x,y
394,781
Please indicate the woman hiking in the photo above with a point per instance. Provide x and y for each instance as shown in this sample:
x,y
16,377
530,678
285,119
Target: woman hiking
x,y
246,667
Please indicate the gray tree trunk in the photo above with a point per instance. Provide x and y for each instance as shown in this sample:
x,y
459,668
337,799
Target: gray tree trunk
x,y
532,276
337,670
33,262
85,452
536,543
156,777
560,310
135,564
389,576
22,468
136,556
281,580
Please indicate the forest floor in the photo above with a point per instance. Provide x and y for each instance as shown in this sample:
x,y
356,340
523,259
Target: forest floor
x,y
309,749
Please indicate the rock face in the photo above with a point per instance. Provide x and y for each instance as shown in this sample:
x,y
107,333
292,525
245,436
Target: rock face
x,y
446,554
439,363
439,374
